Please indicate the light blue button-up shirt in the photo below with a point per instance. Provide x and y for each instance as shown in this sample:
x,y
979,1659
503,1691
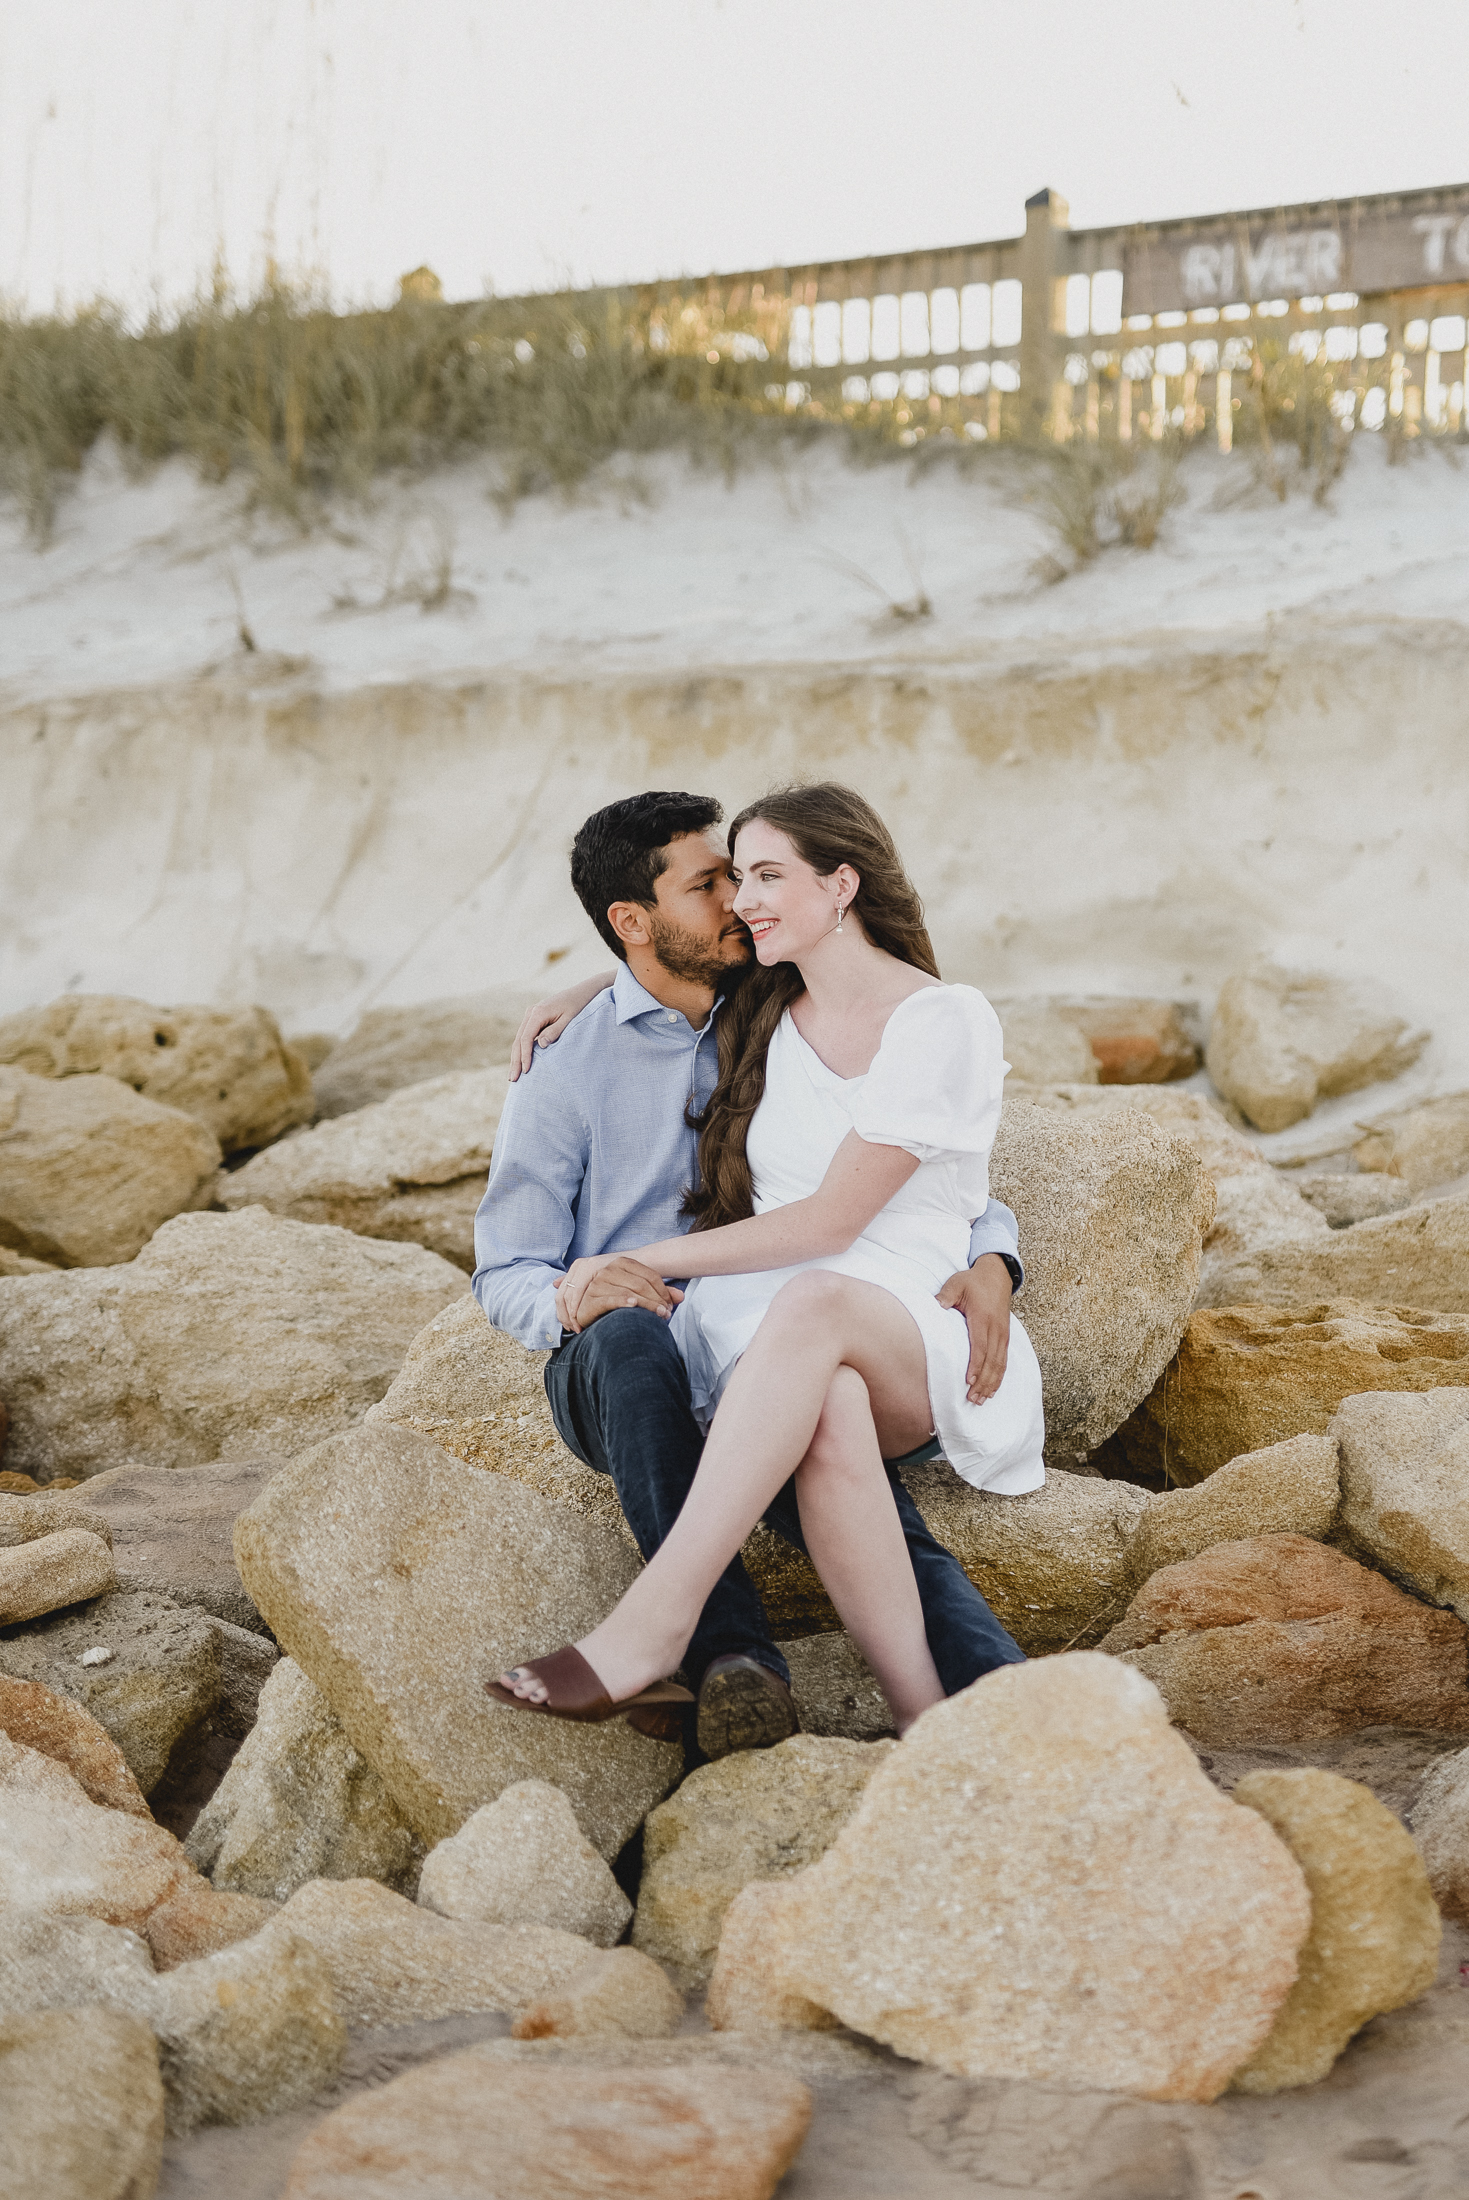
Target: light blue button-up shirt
x,y
593,1153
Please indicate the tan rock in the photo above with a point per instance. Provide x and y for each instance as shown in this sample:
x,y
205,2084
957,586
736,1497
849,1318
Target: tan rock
x,y
401,1580
71,1857
393,1963
1135,1042
749,1990
1279,1639
226,1067
1255,1205
1419,1147
229,1337
1040,1882
394,1047
40,1719
618,1995
51,1572
1375,1932
1112,1217
246,1662
759,1814
1419,1258
1053,1564
173,1532
300,1803
835,1690
464,2125
20,1264
1043,1045
83,2107
1440,1821
195,1921
523,1860
1405,1488
411,1167
1292,1488
246,2033
1283,1039
1343,1200
23,1518
480,1395
1248,1377
159,1681
89,1170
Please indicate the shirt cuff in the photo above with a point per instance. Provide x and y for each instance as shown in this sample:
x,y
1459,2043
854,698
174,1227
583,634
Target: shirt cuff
x,y
547,1320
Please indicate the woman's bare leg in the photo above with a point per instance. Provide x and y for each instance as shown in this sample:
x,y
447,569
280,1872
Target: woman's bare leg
x,y
763,1430
857,1545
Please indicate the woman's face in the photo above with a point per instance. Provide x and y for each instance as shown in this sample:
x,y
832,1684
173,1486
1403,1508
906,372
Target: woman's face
x,y
787,907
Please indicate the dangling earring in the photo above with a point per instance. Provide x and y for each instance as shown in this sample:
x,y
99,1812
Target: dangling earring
x,y
840,914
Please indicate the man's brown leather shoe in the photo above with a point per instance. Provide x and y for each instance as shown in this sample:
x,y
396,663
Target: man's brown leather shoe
x,y
743,1705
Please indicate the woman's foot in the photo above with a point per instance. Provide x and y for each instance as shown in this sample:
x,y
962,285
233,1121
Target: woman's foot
x,y
623,1665
565,1686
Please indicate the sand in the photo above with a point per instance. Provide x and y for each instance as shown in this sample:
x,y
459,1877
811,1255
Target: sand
x,y
1246,740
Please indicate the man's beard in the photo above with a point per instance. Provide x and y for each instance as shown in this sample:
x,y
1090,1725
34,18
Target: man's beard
x,y
695,958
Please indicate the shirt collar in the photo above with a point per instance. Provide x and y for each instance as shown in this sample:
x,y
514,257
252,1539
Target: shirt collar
x,y
630,999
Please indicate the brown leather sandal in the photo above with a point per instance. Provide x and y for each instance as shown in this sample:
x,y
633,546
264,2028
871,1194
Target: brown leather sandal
x,y
576,1692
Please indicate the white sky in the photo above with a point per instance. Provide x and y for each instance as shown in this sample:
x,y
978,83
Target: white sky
x,y
523,143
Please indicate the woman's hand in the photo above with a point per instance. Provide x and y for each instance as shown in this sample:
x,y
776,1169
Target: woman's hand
x,y
543,1025
982,1294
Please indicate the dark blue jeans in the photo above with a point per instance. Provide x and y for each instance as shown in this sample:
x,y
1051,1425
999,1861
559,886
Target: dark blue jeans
x,y
620,1398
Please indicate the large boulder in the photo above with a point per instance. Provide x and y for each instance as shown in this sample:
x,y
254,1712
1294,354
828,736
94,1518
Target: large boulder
x,y
300,1803
149,1671
245,2033
468,2126
1043,1045
173,1531
1279,1639
44,1512
758,1814
394,1963
1418,1147
1248,1377
401,1580
1417,1257
1113,1216
227,1067
1292,1488
1136,1041
411,1167
394,1047
1051,1562
1405,1488
1440,1822
1041,1883
53,1571
524,1860
88,1170
1053,1565
1283,1039
83,2106
228,1336
1375,1931
1255,1205
43,1720
69,1856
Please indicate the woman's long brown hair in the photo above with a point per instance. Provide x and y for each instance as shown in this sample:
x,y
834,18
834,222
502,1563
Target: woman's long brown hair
x,y
827,825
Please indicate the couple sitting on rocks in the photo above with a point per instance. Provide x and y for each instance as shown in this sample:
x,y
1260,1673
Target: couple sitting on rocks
x,y
775,1100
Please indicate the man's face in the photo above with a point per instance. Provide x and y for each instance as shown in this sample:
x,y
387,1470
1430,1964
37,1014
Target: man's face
x,y
696,934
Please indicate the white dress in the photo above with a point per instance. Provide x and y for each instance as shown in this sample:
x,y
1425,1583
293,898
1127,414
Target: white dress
x,y
933,1089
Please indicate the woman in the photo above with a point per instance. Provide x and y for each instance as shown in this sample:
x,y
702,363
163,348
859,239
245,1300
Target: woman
x,y
842,1158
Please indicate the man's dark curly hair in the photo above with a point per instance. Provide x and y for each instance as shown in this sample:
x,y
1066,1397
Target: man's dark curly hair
x,y
621,852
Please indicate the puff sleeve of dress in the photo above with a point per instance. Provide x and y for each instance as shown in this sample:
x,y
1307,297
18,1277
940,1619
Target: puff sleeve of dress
x,y
936,1082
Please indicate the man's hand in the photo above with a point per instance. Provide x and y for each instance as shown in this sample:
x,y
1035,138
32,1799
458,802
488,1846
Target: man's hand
x,y
543,1025
982,1294
604,1285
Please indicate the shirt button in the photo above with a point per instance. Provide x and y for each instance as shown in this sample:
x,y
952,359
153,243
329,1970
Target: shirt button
x,y
671,1017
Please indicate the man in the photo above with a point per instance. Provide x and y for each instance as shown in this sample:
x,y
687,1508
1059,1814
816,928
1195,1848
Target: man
x,y
593,1153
